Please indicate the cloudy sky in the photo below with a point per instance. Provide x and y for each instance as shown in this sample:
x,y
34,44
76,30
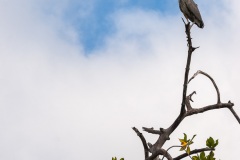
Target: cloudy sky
x,y
76,75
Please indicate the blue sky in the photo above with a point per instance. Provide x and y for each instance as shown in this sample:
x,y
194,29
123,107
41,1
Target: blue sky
x,y
95,26
57,103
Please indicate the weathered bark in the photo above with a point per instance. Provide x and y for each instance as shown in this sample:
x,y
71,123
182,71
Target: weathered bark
x,y
164,134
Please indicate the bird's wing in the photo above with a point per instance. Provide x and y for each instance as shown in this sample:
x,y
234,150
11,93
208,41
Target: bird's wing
x,y
193,9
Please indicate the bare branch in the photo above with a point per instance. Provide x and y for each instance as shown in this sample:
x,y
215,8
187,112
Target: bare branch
x,y
171,148
207,108
160,152
195,48
146,150
192,152
165,135
156,149
205,74
190,50
162,139
234,113
188,99
151,130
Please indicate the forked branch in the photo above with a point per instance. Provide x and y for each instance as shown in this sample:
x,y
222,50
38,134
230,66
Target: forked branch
x,y
188,99
164,134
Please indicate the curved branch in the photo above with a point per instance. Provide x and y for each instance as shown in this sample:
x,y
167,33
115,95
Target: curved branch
x,y
192,152
171,148
160,152
205,74
235,114
162,139
146,150
207,108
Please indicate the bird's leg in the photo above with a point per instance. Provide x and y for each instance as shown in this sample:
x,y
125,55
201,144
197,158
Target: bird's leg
x,y
186,18
192,25
183,21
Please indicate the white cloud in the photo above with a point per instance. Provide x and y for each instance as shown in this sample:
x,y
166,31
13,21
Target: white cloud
x,y
58,104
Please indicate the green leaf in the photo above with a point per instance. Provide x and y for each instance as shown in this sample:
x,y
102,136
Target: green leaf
x,y
195,158
122,159
190,143
185,137
210,142
183,148
202,155
215,144
211,156
193,137
188,150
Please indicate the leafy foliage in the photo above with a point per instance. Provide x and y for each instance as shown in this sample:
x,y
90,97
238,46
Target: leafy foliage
x,y
114,158
185,143
204,157
210,143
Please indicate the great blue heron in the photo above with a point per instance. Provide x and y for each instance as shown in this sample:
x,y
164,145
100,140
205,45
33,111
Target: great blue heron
x,y
190,10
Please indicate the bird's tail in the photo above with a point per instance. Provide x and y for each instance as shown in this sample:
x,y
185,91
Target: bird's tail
x,y
200,24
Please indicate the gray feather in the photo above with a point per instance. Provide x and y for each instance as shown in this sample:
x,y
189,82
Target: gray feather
x,y
190,10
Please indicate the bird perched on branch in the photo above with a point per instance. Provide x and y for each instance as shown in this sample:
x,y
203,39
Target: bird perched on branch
x,y
190,10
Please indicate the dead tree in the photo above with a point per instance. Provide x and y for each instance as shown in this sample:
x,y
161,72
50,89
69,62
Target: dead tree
x,y
186,110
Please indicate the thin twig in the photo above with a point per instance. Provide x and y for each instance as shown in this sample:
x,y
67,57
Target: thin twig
x,y
171,148
160,152
192,152
146,150
188,99
235,114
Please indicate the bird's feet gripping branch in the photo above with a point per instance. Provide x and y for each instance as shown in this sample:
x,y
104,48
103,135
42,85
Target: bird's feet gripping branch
x,y
191,12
